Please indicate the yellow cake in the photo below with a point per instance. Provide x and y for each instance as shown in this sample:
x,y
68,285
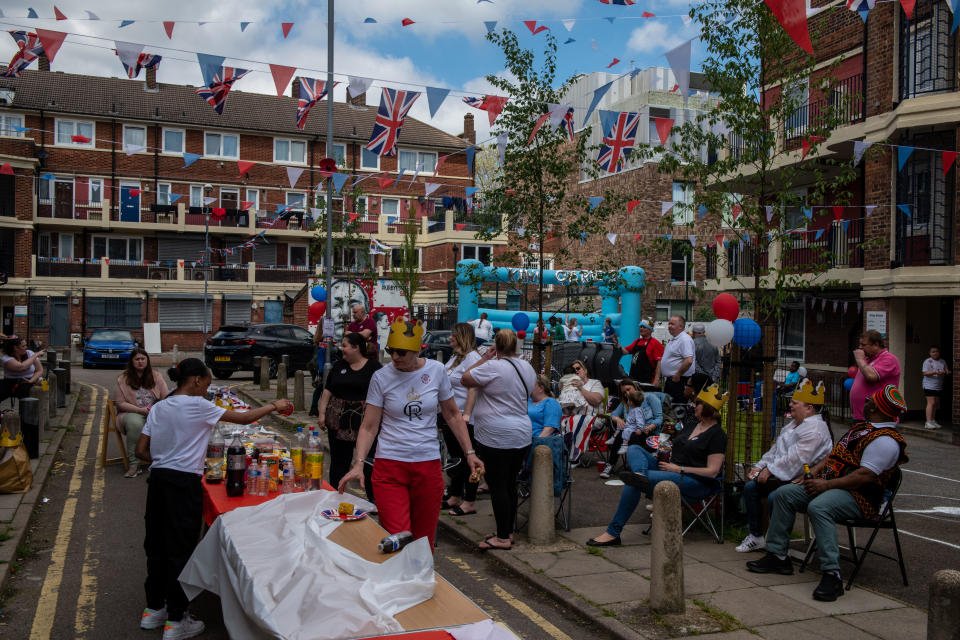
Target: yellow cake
x,y
345,509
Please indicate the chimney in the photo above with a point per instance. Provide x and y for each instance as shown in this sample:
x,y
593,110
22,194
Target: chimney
x,y
43,63
357,101
469,133
151,79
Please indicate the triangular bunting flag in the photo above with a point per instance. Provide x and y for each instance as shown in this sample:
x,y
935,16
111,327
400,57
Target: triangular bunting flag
x,y
129,54
569,40
534,29
908,6
406,22
168,28
209,67
430,187
837,213
536,127
51,41
595,202
6,169
719,238
470,151
613,62
293,174
903,154
131,149
631,205
679,60
285,27
769,209
190,158
470,191
31,13
58,14
598,94
647,14
568,23
792,14
846,304
173,197
435,98
836,303
339,179
636,237
702,211
905,208
209,200
693,239
846,225
808,212
245,205
281,77
612,237
125,23
948,159
358,86
385,182
664,125
501,147
610,19
818,234
91,15
244,166
243,26
665,207
491,25
805,146
459,226
869,210
859,148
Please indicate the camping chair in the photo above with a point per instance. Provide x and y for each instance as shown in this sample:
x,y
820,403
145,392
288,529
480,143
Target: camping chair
x,y
701,511
562,483
883,520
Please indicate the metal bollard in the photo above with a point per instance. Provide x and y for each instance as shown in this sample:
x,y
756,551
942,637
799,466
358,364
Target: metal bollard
x,y
265,374
30,425
282,381
54,384
51,359
666,551
61,392
943,613
43,398
256,369
298,392
65,365
541,529
176,355
285,359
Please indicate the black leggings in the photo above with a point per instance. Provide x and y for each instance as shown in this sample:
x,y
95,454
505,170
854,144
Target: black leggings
x,y
341,458
502,468
15,388
460,485
173,521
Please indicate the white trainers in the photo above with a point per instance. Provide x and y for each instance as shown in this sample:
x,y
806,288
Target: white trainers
x,y
611,440
186,628
607,468
622,450
932,424
650,507
153,618
752,543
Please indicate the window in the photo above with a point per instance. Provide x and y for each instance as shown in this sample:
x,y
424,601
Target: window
x,y
8,124
96,190
66,129
297,201
116,248
390,207
173,140
483,253
134,136
796,101
339,154
683,197
163,193
38,313
298,255
221,145
114,313
44,190
368,159
350,259
253,195
43,246
927,51
732,200
294,151
66,246
792,326
8,200
408,161
396,257
681,261
361,209
196,195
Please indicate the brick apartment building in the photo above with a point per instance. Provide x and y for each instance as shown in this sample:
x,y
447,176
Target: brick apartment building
x,y
91,237
897,270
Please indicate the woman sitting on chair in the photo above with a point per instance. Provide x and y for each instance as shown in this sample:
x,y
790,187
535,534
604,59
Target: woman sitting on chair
x,y
21,368
138,388
696,461
583,395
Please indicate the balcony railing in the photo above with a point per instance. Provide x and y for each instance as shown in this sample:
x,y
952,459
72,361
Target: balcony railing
x,y
838,246
168,270
846,105
67,268
740,256
923,241
927,50
283,274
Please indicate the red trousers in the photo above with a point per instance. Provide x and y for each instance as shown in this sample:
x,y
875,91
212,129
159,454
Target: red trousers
x,y
408,496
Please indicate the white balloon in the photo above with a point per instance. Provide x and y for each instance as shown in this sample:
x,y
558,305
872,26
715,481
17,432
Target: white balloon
x,y
720,332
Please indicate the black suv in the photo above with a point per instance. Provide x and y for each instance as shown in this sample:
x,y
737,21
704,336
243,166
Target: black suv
x,y
233,348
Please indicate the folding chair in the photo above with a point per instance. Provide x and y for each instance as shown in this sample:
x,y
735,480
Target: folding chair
x,y
701,511
564,508
884,520
110,425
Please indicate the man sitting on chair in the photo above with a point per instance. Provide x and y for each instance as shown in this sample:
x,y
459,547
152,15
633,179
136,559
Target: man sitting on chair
x,y
849,483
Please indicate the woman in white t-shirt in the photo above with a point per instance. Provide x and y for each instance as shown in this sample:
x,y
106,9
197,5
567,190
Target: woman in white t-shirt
x,y
935,369
21,368
174,442
461,493
502,427
588,397
403,401
574,331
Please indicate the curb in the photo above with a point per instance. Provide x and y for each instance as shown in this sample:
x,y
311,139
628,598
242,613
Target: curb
x,y
947,436
567,598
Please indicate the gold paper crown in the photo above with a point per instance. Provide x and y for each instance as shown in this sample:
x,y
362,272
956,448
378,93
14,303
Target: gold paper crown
x,y
807,393
7,441
405,335
711,395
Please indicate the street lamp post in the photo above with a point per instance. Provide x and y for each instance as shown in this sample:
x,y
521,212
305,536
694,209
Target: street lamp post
x,y
207,190
328,254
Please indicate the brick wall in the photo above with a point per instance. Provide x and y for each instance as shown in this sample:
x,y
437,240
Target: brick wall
x,y
878,188
880,58
831,336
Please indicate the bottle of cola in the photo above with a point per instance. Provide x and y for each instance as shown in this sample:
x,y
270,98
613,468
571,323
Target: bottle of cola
x,y
236,467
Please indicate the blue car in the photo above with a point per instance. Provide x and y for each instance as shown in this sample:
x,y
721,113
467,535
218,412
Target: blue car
x,y
108,346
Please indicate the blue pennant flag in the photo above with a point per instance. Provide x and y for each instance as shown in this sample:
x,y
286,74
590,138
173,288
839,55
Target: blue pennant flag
x,y
32,14
583,237
47,176
435,98
339,179
701,211
863,15
846,225
173,197
243,26
569,40
808,212
668,236
20,129
597,97
905,208
190,158
470,153
209,67
125,23
391,220
471,190
595,202
818,234
490,25
610,19
955,5
369,21
903,154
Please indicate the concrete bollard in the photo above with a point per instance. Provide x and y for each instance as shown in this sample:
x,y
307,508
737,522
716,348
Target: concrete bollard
x,y
43,400
264,374
282,381
541,529
61,392
65,365
30,425
943,614
256,369
176,356
53,383
285,359
298,378
11,423
666,551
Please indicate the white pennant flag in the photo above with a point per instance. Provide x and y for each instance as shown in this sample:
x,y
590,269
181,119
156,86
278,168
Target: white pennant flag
x,y
612,237
92,15
521,231
823,305
846,304
665,207
859,306
686,20
415,174
502,147
131,149
315,213
128,52
679,60
859,148
870,210
568,24
693,239
836,303
293,174
358,85
209,200
557,111
769,209
593,43
430,187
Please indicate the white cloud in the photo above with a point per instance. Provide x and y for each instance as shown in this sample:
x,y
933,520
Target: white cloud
x,y
654,37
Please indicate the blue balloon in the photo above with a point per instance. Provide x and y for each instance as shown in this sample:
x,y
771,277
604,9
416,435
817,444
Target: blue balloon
x,y
848,384
746,332
520,321
319,293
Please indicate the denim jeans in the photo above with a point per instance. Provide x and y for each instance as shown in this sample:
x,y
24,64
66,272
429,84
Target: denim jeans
x,y
641,461
753,493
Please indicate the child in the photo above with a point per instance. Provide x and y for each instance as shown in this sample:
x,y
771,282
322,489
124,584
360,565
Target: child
x,y
637,417
570,396
934,370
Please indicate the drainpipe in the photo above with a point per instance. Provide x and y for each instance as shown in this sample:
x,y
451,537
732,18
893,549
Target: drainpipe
x,y
83,316
113,168
29,304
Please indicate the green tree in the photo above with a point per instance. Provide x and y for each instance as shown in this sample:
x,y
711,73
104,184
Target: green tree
x,y
406,271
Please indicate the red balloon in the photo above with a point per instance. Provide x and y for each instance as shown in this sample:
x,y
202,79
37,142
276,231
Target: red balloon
x,y
726,307
315,312
521,334
852,372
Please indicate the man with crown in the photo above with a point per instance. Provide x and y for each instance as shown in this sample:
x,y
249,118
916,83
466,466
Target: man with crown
x,y
849,483
806,439
695,464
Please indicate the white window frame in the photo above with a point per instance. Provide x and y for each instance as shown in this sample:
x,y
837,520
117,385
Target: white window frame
x,y
74,124
343,147
796,122
108,238
163,141
255,199
398,251
235,191
289,159
419,159
792,353
60,251
90,183
296,195
220,154
6,127
164,189
683,210
306,253
131,127
366,208
476,251
363,166
690,263
383,201
196,188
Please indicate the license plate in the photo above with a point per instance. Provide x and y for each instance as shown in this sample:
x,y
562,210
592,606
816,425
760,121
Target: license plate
x,y
221,359
109,355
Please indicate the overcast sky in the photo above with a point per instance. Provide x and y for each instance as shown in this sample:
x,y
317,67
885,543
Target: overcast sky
x,y
444,48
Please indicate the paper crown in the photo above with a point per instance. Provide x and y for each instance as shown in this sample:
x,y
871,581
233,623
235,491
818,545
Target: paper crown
x,y
711,395
405,335
805,392
7,441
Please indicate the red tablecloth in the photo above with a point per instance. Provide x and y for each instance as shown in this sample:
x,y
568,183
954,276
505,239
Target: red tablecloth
x,y
216,501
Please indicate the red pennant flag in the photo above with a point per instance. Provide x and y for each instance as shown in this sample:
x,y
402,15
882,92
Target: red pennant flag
x,y
537,126
385,182
459,226
58,13
218,212
106,260
6,169
647,14
286,26
615,61
352,217
493,105
244,166
676,88
80,139
168,27
907,5
636,237
805,145
948,158
440,162
534,29
719,238
511,192
407,22
51,41
281,76
664,125
631,205
135,192
792,14
549,235
736,210
837,213
246,204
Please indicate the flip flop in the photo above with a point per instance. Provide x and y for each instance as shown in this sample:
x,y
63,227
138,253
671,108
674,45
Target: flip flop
x,y
457,511
486,546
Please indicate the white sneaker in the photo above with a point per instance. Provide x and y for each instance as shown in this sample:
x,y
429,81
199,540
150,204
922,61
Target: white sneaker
x,y
752,543
186,628
650,507
931,424
607,468
153,618
622,450
611,440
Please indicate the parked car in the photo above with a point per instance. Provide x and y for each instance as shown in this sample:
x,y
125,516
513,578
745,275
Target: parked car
x,y
108,347
435,342
233,348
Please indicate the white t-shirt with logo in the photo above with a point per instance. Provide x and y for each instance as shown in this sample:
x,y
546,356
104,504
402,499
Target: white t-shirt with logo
x,y
179,428
410,401
934,383
456,372
500,418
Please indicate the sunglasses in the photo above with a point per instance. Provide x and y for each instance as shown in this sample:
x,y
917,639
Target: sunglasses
x,y
577,368
397,352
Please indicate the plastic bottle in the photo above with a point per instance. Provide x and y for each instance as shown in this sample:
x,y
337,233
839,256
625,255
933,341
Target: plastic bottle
x,y
263,479
215,451
395,542
236,467
806,471
288,476
314,463
253,479
296,455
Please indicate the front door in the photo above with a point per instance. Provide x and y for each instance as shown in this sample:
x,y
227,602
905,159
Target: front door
x,y
129,202
273,311
59,322
8,321
62,199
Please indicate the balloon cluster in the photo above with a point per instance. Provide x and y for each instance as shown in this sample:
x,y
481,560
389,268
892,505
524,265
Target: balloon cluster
x,y
316,309
851,374
744,331
520,322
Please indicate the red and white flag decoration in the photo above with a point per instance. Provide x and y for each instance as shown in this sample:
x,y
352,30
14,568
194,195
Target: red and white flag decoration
x,y
285,27
51,41
792,15
534,29
493,105
281,77
168,28
664,126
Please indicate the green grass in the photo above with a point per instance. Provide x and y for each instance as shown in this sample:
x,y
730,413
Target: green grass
x,y
595,551
738,438
724,619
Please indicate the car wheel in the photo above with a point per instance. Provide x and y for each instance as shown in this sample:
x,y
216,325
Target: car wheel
x,y
86,366
274,365
221,374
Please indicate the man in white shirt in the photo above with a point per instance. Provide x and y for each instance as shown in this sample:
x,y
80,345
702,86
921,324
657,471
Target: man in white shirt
x,y
483,328
678,361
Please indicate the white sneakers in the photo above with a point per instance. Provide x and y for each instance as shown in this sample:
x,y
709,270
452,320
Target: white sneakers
x,y
607,468
752,543
153,618
186,628
932,424
650,507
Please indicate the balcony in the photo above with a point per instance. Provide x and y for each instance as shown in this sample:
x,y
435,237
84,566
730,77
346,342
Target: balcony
x,y
740,257
846,105
927,50
283,274
839,246
67,268
175,272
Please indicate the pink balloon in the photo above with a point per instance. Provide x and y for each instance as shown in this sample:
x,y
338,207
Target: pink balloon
x,y
852,371
726,307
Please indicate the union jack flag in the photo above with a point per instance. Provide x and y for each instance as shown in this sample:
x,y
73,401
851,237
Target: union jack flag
x,y
144,61
619,135
28,50
861,5
624,3
311,92
216,93
568,123
474,102
394,105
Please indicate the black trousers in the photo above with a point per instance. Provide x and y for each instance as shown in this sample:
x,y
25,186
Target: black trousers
x,y
15,388
675,389
460,485
341,459
173,521
502,468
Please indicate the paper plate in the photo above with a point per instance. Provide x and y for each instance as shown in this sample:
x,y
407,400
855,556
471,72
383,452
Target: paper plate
x,y
614,483
332,514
